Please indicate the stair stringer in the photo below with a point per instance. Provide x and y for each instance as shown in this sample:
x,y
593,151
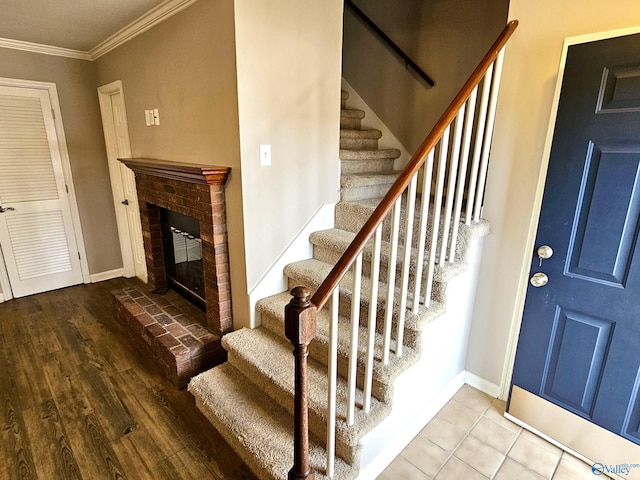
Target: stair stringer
x,y
425,387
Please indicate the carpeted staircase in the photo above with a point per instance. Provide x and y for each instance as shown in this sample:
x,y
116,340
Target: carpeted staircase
x,y
249,399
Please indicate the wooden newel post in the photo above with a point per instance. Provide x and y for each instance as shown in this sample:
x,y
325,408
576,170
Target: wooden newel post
x,y
300,329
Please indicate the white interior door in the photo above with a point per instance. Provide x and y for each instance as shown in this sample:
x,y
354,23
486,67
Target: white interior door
x,y
36,228
123,181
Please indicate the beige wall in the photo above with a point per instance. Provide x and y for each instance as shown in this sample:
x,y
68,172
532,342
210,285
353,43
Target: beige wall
x,y
284,92
76,84
185,67
524,108
288,56
447,38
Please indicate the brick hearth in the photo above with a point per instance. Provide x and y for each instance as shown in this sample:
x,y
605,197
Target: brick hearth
x,y
181,339
170,330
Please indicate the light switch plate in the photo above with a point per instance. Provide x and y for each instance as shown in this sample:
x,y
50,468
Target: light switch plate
x,y
265,155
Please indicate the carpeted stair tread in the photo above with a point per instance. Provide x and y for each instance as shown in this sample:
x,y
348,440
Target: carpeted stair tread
x,y
369,179
344,96
338,240
272,308
380,153
260,431
267,360
351,215
348,167
358,186
360,133
351,113
312,272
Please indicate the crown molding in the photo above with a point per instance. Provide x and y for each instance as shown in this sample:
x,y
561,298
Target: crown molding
x,y
142,24
150,19
43,49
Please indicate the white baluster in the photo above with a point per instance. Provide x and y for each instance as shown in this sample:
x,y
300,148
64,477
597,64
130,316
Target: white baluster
x,y
332,381
373,309
453,173
355,328
391,279
427,175
442,167
406,265
462,177
495,86
477,150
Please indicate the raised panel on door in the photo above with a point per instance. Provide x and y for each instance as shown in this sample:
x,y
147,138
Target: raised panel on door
x,y
607,215
575,360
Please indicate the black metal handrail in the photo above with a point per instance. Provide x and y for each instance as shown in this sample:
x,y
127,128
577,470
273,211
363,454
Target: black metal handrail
x,y
398,51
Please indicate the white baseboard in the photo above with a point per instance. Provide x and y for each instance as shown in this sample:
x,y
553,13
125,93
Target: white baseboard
x,y
108,275
481,384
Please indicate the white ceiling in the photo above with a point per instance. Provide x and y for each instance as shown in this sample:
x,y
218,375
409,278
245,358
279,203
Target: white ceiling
x,y
74,24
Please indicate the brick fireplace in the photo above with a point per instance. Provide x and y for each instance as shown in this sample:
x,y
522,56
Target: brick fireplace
x,y
181,339
196,191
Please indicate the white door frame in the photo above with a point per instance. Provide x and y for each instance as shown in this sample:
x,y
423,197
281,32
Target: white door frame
x,y
507,371
122,219
52,91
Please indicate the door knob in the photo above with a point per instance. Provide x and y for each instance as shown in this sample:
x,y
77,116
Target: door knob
x,y
539,280
545,251
6,209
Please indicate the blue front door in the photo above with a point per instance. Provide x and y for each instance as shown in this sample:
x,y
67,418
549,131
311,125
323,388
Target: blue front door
x,y
579,344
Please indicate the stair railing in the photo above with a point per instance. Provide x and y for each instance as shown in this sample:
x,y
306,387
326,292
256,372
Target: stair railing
x,y
406,59
462,135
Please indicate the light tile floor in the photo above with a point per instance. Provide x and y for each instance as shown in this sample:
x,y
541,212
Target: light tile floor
x,y
470,439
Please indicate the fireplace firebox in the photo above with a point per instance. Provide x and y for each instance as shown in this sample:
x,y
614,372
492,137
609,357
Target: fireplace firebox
x,y
182,248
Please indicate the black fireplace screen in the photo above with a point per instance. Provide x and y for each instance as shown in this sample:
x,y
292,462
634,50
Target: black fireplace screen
x,y
183,255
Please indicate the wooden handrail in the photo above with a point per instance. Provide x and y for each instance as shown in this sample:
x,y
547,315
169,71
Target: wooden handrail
x,y
398,51
324,291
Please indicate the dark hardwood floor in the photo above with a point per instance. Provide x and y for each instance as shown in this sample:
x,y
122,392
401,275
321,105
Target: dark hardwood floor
x,y
78,402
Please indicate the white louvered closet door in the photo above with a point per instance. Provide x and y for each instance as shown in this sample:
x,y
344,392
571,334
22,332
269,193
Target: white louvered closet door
x,y
36,230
